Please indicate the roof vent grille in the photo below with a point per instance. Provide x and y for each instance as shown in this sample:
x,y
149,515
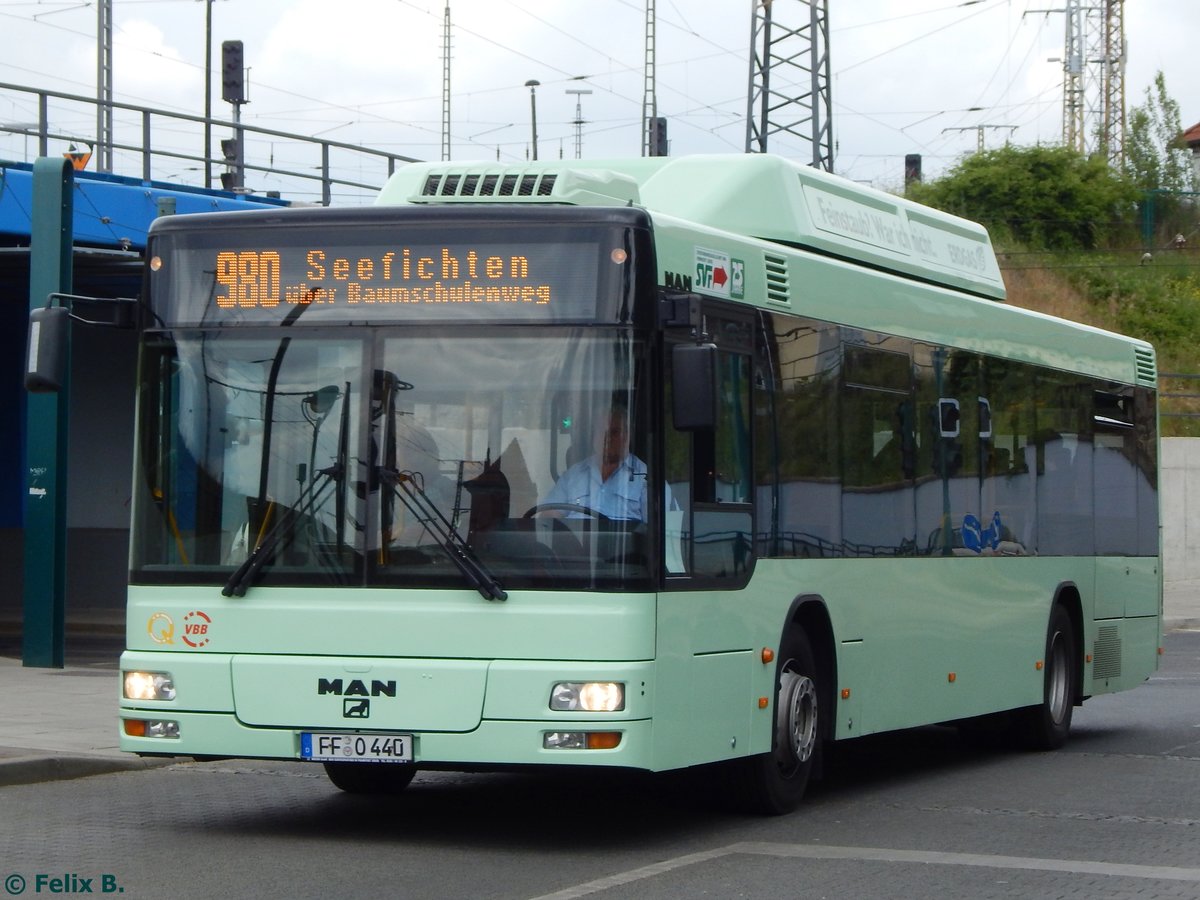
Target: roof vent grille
x,y
1145,366
777,278
450,183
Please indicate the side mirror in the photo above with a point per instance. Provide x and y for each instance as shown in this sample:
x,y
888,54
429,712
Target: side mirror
x,y
46,360
694,386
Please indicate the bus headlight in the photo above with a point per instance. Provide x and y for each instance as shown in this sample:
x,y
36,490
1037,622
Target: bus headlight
x,y
151,728
588,696
581,740
149,686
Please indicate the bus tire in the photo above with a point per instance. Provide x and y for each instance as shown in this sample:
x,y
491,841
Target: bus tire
x,y
774,783
370,778
1047,725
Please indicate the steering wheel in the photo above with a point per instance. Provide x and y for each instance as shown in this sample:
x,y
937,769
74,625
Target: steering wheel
x,y
565,507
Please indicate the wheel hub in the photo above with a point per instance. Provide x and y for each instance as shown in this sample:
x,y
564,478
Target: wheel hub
x,y
796,719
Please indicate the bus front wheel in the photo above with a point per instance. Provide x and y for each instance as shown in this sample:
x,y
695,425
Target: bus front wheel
x,y
775,782
370,778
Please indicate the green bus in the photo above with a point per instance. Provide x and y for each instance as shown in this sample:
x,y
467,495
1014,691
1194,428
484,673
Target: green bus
x,y
657,464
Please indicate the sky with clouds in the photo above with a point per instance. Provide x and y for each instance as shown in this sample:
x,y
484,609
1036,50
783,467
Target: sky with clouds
x,y
908,76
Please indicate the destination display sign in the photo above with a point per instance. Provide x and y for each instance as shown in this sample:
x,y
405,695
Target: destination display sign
x,y
236,282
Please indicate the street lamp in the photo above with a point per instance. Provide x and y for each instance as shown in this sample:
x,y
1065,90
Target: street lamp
x,y
21,128
532,84
208,93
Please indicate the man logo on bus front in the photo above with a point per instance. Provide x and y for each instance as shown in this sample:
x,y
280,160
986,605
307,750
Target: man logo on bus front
x,y
356,709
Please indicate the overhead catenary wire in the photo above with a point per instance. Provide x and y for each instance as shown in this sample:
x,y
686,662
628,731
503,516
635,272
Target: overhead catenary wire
x,y
700,74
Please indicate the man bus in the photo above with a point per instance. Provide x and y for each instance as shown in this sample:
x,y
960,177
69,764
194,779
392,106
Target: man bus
x,y
875,495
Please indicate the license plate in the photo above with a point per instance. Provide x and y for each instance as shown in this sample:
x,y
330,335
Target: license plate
x,y
344,747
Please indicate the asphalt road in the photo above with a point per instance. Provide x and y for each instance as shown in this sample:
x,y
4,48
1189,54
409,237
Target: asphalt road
x,y
918,814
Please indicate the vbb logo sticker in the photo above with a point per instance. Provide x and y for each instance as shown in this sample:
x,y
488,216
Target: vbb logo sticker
x,y
195,628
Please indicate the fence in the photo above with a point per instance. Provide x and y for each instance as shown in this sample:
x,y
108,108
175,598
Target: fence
x,y
1179,403
296,166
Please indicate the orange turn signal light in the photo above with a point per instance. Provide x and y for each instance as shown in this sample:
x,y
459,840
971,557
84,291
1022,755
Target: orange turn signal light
x,y
768,655
135,727
603,740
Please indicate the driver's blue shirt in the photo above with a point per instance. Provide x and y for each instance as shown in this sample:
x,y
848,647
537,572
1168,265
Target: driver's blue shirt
x,y
621,496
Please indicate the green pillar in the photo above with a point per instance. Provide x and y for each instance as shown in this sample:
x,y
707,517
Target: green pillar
x,y
50,259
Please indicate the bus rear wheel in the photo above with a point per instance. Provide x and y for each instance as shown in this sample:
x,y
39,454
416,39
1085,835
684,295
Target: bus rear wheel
x,y
370,778
1047,725
775,782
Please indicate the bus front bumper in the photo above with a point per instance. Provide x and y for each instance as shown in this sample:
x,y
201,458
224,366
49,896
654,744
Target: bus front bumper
x,y
443,713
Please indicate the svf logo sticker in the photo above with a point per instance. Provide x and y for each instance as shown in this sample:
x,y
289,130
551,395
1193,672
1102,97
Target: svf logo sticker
x,y
195,628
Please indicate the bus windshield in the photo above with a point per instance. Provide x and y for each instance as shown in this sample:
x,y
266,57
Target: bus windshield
x,y
426,456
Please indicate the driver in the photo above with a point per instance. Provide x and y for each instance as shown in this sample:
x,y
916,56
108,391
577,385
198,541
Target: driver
x,y
612,481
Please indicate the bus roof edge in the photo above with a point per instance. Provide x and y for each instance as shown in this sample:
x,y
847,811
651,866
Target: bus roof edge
x,y
753,195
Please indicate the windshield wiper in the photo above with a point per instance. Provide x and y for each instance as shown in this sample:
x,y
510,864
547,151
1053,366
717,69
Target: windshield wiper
x,y
310,497
283,531
407,487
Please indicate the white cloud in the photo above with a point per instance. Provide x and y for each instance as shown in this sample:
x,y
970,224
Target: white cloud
x,y
144,64
351,53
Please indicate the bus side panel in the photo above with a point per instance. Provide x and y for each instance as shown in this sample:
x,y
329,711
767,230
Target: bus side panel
x,y
1124,653
710,676
922,641
918,642
1126,586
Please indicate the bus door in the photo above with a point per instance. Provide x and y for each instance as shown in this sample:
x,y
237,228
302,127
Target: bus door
x,y
709,531
708,465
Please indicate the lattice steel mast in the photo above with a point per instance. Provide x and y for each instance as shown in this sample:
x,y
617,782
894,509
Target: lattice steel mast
x,y
1094,78
1113,110
649,98
789,89
104,86
446,85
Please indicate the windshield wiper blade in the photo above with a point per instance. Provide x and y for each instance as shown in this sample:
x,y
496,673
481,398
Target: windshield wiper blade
x,y
413,496
285,527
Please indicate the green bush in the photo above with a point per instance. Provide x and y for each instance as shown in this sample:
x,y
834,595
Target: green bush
x,y
1045,198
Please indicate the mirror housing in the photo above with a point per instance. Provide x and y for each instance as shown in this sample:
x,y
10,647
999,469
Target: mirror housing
x,y
46,359
694,386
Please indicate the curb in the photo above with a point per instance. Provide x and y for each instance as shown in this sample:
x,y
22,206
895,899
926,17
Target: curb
x,y
38,769
1180,624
